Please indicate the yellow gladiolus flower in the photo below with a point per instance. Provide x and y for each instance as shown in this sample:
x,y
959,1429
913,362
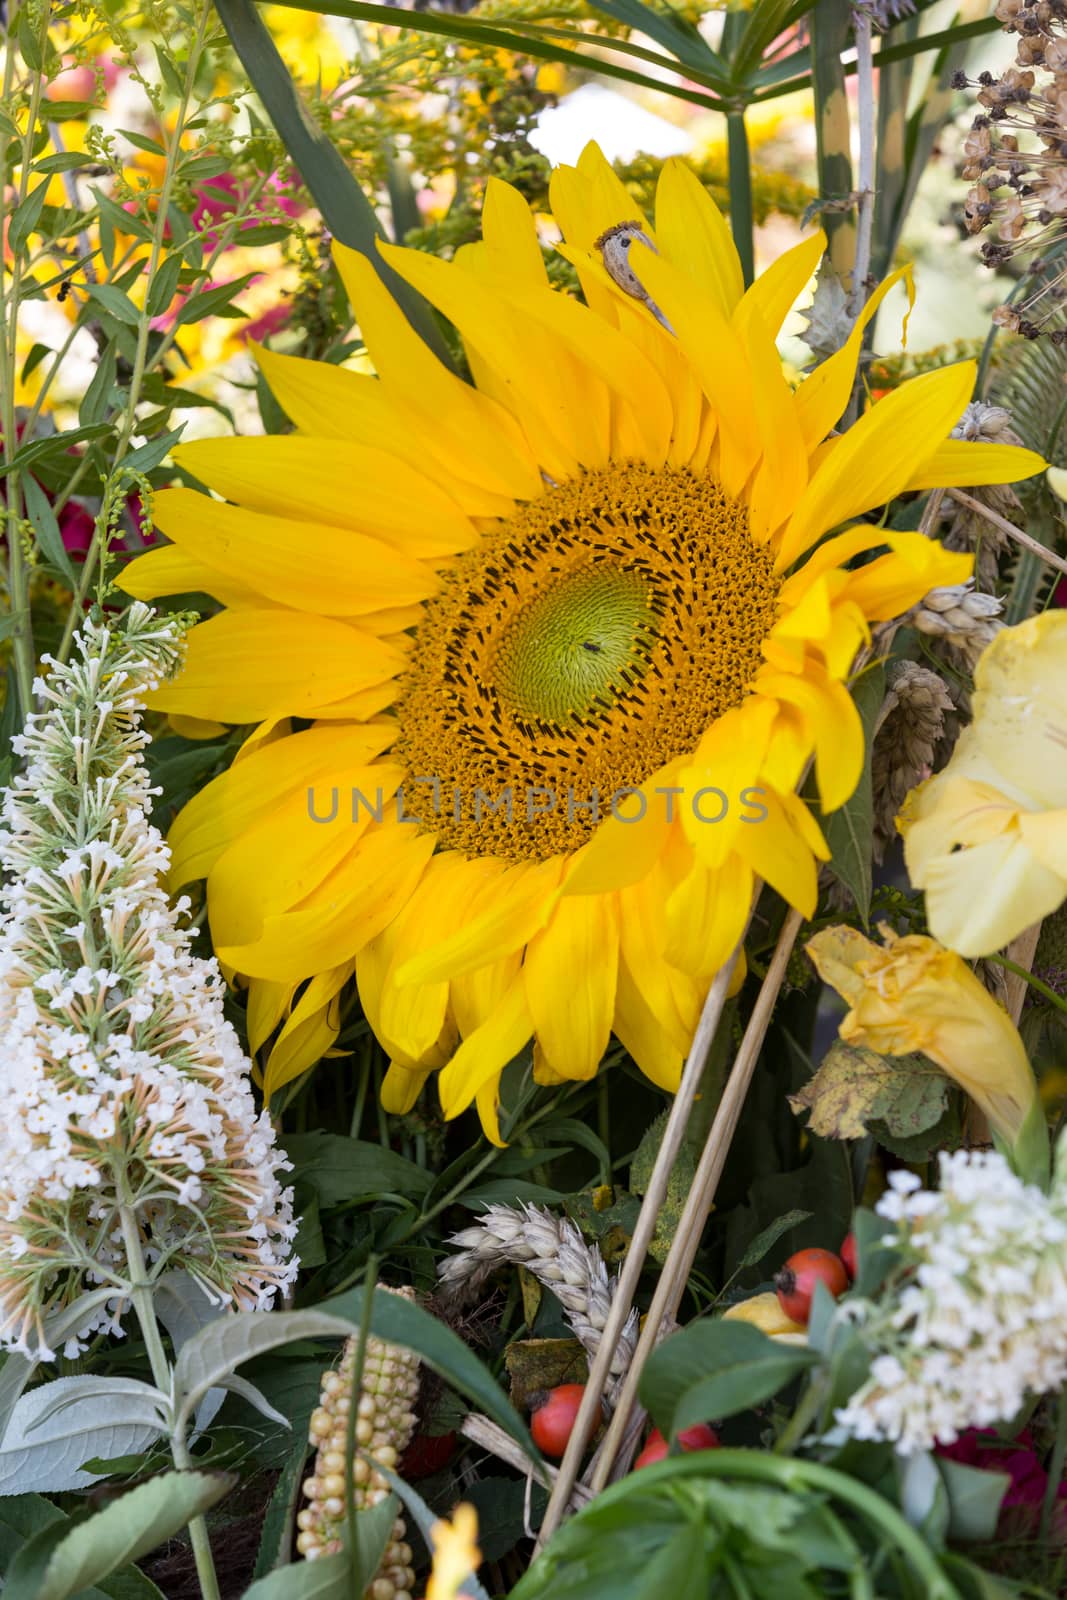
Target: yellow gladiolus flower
x,y
987,837
582,615
911,994
455,1553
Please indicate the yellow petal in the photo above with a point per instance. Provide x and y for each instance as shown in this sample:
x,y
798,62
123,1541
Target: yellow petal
x,y
824,394
511,236
481,435
879,455
247,666
779,285
641,1034
692,233
569,972
889,585
312,1027
313,761
521,905
350,573
312,480
173,571
482,1057
834,728
355,901
958,463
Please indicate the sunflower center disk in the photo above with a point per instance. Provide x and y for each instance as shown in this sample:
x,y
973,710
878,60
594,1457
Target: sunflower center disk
x,y
592,638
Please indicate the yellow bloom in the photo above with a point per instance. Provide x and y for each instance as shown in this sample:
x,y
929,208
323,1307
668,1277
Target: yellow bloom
x,y
455,1553
987,837
914,995
590,583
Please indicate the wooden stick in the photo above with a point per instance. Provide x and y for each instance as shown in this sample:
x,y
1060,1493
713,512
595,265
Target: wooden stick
x,y
676,1268
1021,950
625,1288
1020,536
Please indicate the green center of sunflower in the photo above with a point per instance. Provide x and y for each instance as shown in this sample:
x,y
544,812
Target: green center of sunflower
x,y
590,639
568,652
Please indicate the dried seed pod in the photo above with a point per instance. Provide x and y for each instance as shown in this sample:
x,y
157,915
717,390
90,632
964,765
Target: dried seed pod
x,y
385,1422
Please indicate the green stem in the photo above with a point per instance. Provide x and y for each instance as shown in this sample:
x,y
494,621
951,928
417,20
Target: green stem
x,y
740,180
141,1295
1035,983
144,325
24,654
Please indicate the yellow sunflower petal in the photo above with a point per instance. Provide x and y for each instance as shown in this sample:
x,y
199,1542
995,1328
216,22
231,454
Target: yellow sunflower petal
x,y
879,456
569,972
311,480
834,728
247,666
959,462
824,394
173,571
237,541
484,1054
779,285
642,1036
692,233
522,905
310,1030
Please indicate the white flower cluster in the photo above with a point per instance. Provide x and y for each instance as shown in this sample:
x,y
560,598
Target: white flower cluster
x,y
123,1083
977,1319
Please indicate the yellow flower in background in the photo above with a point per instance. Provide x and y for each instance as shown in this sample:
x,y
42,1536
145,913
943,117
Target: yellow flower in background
x,y
596,582
986,838
455,1553
911,994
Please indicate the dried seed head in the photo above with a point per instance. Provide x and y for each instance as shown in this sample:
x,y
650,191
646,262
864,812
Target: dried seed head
x,y
911,726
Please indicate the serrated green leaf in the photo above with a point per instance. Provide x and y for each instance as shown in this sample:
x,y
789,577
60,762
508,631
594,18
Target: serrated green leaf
x,y
716,1369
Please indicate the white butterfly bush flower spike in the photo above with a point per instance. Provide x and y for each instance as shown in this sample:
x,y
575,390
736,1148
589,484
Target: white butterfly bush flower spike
x,y
123,1083
980,1321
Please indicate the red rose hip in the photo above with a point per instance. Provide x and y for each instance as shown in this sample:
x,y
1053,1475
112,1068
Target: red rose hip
x,y
795,1284
698,1437
849,1257
553,1418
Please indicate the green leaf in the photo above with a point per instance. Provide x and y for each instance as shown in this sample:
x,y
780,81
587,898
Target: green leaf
x,y
341,1169
151,453
277,1536
96,400
338,1577
679,37
715,1369
55,1428
65,161
849,829
25,218
975,1496
346,210
61,1561
424,1520
25,1515
49,538
117,304
769,1236
164,285
215,302
213,1354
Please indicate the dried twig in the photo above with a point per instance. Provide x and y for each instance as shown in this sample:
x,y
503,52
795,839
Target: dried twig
x,y
1027,540
675,1274
673,1135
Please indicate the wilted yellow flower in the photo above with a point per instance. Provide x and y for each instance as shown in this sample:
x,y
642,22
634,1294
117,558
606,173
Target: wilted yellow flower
x,y
455,1553
914,995
987,837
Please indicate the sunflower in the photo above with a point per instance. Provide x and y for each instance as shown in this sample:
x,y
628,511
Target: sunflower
x,y
537,663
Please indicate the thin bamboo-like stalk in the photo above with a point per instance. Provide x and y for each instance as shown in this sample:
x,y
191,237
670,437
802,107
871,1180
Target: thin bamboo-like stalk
x,y
676,1268
626,1286
1021,950
1020,535
868,119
